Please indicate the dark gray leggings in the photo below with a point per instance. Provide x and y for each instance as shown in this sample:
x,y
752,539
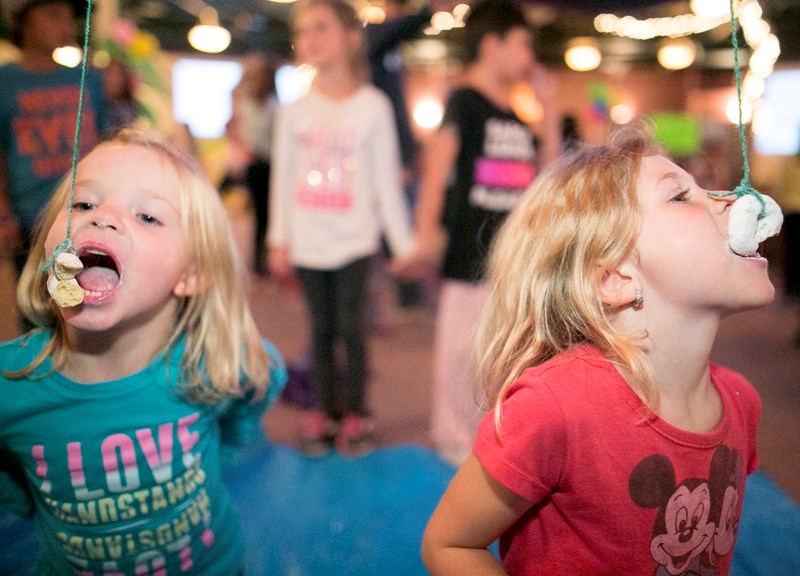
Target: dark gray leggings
x,y
336,302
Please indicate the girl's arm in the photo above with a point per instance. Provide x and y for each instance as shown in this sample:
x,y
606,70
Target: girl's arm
x,y
438,161
240,418
544,84
474,511
280,196
14,493
386,177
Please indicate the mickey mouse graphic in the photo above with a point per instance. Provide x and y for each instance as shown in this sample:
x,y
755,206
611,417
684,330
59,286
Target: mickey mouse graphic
x,y
697,519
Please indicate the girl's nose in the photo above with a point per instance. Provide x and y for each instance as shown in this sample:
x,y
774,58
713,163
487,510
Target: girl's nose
x,y
105,219
719,203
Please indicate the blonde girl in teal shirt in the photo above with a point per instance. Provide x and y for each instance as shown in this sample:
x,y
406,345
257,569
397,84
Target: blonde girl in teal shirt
x,y
119,412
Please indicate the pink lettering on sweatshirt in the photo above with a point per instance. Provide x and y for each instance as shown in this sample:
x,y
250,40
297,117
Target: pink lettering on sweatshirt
x,y
41,468
510,174
116,449
77,475
159,457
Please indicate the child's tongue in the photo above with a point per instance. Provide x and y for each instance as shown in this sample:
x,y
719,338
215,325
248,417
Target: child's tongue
x,y
98,279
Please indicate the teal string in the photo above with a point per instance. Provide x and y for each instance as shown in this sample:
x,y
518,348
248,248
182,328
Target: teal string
x,y
744,187
66,245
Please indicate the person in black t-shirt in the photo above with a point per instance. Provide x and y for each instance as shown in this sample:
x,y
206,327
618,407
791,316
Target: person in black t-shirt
x,y
491,156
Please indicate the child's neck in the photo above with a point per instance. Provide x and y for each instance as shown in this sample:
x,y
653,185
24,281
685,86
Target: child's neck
x,y
680,359
485,80
111,355
37,61
337,83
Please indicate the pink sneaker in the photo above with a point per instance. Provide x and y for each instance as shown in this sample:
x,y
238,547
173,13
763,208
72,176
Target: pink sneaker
x,y
317,433
356,435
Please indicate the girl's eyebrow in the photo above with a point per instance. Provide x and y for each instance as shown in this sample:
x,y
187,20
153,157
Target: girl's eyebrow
x,y
670,176
677,176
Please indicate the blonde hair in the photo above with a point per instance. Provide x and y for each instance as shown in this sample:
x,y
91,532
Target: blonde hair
x,y
580,218
223,345
347,16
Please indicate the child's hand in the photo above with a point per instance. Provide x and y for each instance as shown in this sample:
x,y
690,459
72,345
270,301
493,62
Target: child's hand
x,y
746,230
411,266
427,254
279,264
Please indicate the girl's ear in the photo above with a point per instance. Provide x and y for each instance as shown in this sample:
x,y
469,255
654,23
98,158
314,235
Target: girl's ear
x,y
188,285
356,39
618,285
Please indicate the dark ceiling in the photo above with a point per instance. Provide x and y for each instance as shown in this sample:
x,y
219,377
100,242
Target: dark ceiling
x,y
261,25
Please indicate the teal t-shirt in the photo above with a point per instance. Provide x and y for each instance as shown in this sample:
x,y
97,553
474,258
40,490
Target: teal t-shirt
x,y
124,477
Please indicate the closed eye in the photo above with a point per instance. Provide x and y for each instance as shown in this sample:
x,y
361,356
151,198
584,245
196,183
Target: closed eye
x,y
681,196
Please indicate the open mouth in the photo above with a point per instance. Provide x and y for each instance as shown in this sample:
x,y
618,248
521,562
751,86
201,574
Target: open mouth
x,y
100,274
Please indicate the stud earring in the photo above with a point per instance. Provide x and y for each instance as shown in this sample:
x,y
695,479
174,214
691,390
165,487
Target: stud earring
x,y
639,300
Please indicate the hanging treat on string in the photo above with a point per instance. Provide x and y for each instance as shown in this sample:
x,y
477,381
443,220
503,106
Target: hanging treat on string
x,y
62,283
754,217
63,266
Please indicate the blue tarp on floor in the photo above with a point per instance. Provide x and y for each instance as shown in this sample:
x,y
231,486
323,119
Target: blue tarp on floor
x,y
365,516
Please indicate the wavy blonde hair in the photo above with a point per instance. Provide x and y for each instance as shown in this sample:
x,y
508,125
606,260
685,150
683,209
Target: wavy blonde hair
x,y
580,218
224,354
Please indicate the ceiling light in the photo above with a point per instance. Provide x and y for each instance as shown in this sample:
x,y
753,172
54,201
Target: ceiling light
x,y
582,54
676,53
69,56
208,36
460,12
372,14
621,114
443,21
710,8
733,107
428,113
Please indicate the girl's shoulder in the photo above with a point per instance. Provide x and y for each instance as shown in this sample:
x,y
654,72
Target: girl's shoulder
x,y
368,91
580,374
278,373
466,95
18,353
734,387
580,359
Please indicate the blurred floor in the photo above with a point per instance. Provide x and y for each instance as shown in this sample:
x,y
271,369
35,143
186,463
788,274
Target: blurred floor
x,y
759,344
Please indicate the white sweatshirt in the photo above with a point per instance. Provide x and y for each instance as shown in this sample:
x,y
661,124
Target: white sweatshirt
x,y
336,182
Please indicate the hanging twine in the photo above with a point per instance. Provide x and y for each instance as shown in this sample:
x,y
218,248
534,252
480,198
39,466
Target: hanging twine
x,y
744,187
66,245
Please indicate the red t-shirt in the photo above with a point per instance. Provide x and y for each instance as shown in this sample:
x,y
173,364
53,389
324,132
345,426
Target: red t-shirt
x,y
615,494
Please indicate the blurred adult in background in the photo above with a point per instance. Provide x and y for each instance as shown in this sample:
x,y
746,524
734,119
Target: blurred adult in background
x,y
123,111
570,133
38,110
383,43
788,196
254,106
494,158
